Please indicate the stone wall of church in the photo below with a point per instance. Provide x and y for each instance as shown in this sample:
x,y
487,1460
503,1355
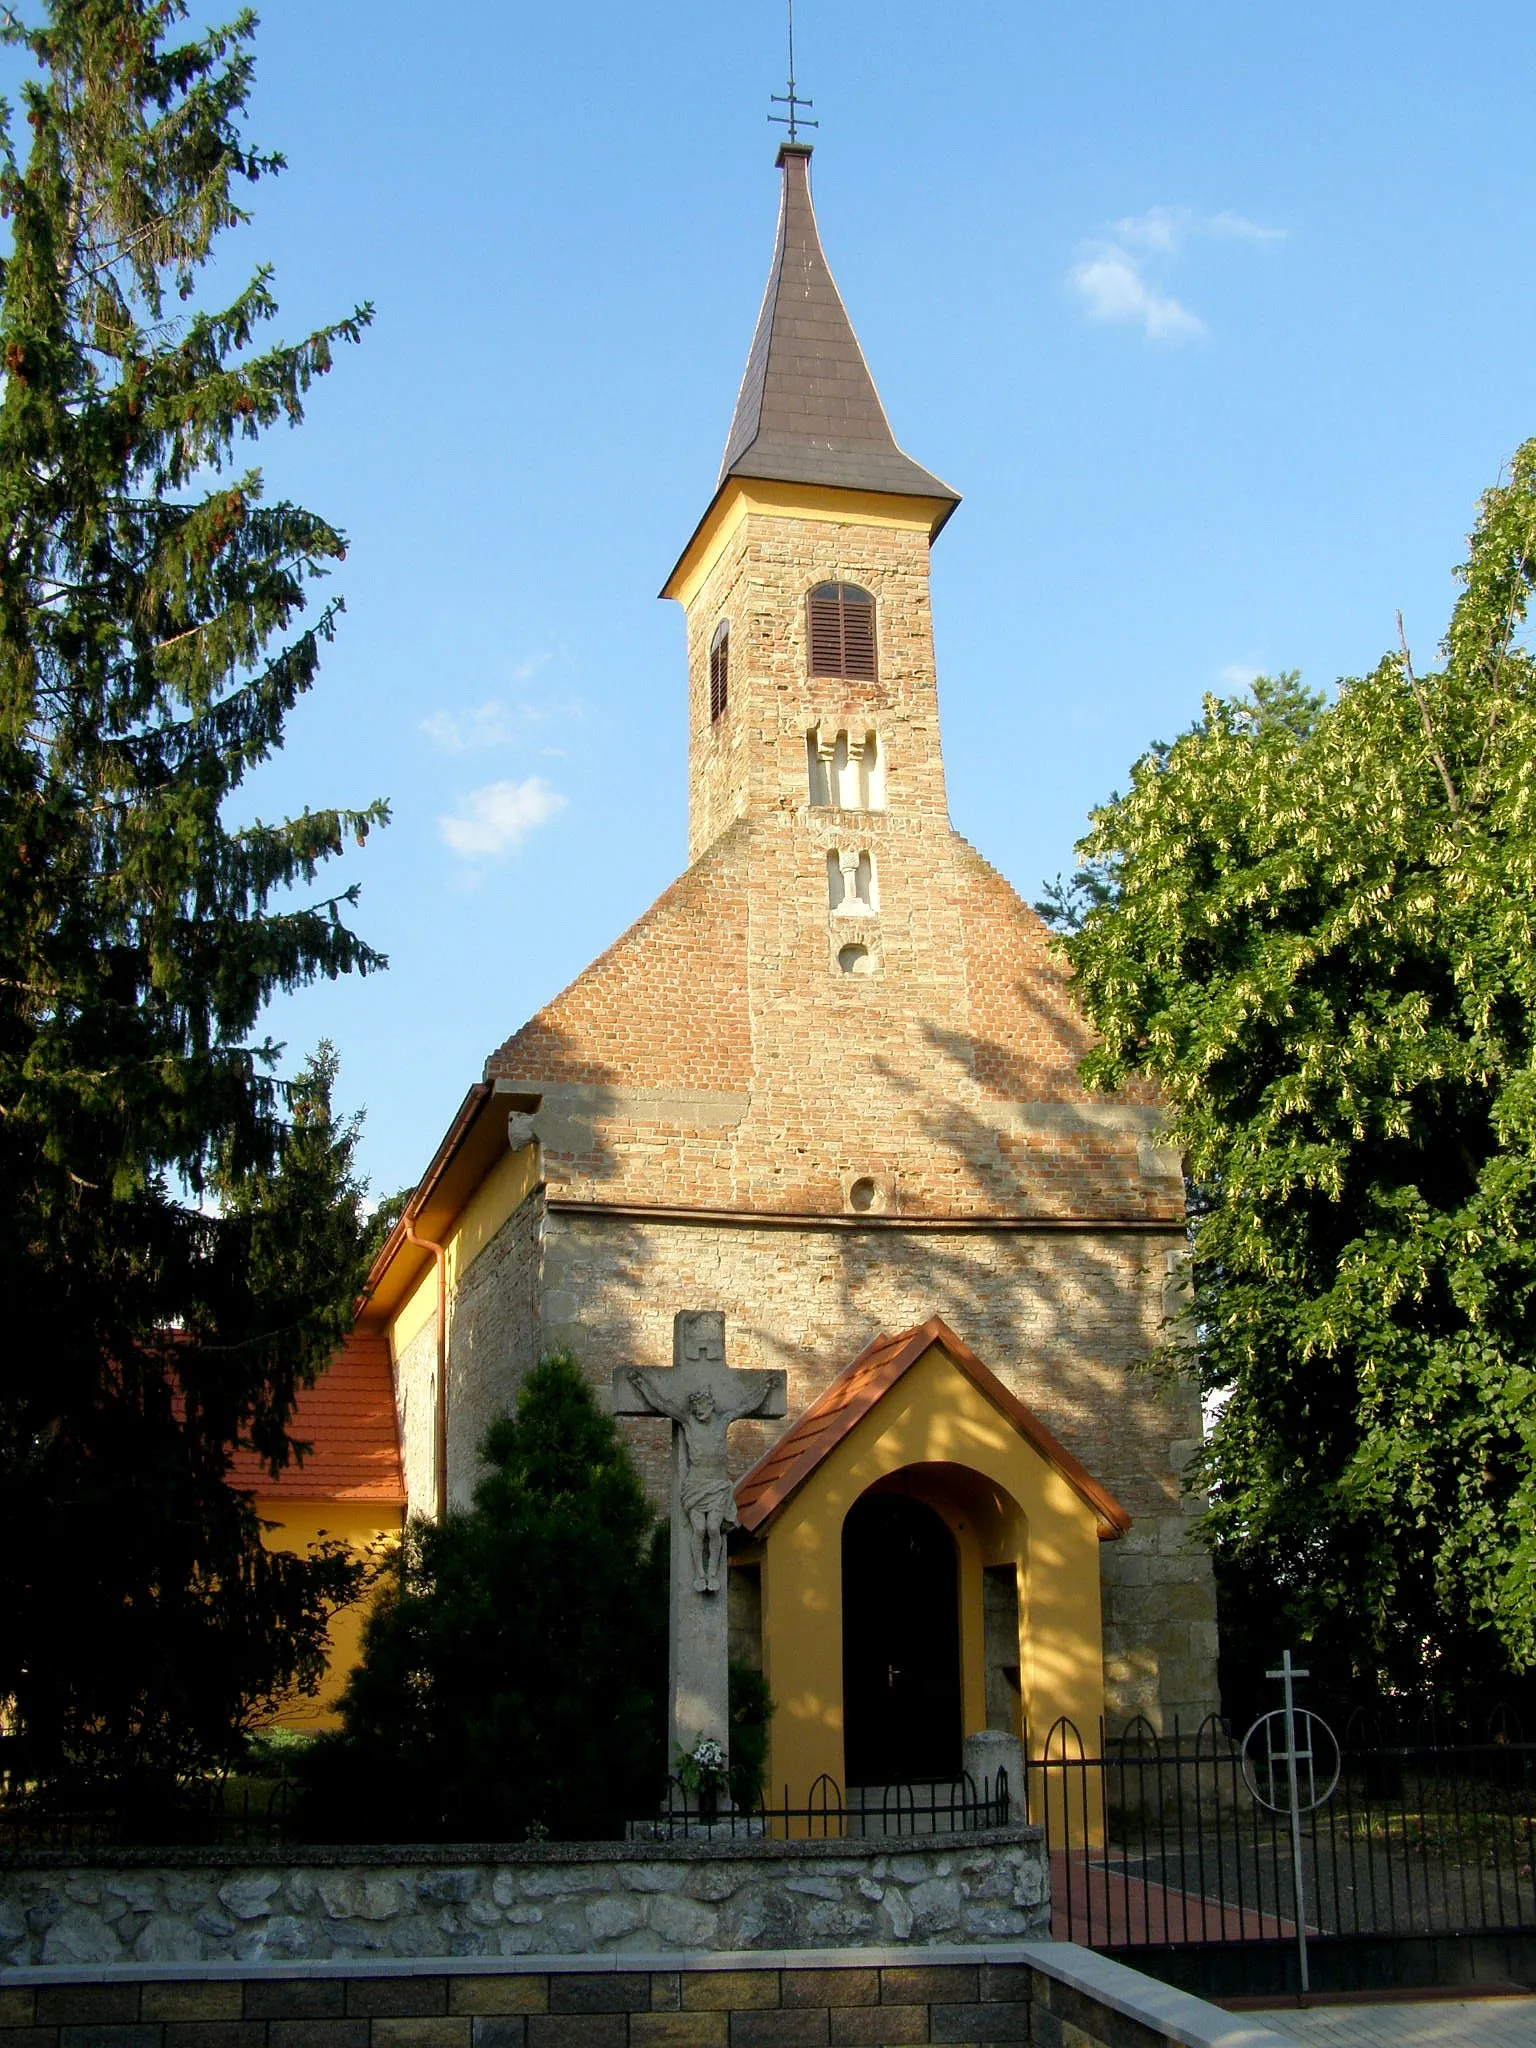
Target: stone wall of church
x,y
1060,1316
493,1338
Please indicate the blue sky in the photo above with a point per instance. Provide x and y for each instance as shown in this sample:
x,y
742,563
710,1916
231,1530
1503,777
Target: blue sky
x,y
1219,317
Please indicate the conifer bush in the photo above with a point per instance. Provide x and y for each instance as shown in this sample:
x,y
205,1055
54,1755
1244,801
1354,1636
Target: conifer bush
x,y
511,1682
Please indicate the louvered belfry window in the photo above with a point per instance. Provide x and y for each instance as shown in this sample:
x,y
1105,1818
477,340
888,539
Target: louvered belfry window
x,y
719,670
842,632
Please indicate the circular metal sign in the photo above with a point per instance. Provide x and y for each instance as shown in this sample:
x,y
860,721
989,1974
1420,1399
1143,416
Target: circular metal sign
x,y
1268,1760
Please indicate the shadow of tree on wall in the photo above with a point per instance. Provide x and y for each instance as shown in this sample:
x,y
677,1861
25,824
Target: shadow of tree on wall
x,y
1062,1317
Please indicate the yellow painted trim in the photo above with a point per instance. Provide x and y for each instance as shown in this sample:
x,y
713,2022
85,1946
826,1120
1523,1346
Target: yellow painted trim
x,y
502,1191
498,1196
745,495
418,1309
1003,1500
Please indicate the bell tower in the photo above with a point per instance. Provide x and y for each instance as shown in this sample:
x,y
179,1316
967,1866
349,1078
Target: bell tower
x,y
829,1081
805,585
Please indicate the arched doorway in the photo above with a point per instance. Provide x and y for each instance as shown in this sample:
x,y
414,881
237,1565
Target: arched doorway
x,y
901,1643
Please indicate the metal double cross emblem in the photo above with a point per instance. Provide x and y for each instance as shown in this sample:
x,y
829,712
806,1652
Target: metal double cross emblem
x,y
1285,1755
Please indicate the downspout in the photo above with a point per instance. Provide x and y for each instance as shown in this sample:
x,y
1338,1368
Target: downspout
x,y
440,1420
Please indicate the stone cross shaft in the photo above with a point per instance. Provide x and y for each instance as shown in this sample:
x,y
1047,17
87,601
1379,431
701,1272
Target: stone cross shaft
x,y
701,1396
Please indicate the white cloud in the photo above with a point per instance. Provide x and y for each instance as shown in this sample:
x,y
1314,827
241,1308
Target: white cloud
x,y
1112,288
487,725
1237,675
1161,229
496,819
1112,276
495,723
1239,228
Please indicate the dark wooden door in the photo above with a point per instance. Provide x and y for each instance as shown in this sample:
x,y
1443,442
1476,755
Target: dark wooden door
x,y
901,1643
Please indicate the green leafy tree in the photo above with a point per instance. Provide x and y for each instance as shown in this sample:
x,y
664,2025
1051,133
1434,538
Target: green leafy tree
x,y
1319,941
183,1238
511,1675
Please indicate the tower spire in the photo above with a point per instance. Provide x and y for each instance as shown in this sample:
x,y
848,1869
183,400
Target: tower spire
x,y
791,98
808,411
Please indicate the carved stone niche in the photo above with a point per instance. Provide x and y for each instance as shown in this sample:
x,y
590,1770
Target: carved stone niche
x,y
845,767
868,1194
855,949
851,890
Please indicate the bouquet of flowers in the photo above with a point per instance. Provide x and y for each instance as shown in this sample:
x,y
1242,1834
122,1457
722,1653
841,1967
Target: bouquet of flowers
x,y
702,1771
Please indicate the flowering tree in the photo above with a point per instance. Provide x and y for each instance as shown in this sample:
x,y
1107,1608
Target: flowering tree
x,y
1313,926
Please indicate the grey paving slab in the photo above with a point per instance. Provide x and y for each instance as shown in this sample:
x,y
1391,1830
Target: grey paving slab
x,y
1426,2023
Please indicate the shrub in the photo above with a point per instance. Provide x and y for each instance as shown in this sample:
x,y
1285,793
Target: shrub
x,y
513,1667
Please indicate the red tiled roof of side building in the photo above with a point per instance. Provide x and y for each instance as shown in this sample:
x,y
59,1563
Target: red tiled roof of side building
x,y
839,1409
348,1419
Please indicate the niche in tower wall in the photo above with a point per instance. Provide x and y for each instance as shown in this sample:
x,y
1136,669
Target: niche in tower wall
x,y
845,770
901,1643
850,882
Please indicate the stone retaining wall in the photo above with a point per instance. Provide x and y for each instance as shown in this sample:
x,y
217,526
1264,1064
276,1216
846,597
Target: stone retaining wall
x,y
1049,1994
587,1898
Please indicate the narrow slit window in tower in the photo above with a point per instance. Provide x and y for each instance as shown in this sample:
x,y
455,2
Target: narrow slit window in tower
x,y
719,670
818,768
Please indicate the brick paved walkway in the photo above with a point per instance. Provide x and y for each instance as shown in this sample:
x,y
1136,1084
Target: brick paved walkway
x,y
1428,2023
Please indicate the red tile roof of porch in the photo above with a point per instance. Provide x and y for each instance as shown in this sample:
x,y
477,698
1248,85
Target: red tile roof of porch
x,y
784,1469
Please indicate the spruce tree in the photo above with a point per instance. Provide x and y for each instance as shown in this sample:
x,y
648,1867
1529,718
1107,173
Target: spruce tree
x,y
182,1237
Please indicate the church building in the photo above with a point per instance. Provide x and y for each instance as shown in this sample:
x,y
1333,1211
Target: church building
x,y
828,1085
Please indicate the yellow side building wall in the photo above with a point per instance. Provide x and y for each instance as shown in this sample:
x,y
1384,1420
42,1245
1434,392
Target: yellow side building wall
x,y
412,1328
368,1529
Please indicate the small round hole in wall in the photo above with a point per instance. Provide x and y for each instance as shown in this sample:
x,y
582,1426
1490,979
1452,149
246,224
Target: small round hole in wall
x,y
855,960
862,1195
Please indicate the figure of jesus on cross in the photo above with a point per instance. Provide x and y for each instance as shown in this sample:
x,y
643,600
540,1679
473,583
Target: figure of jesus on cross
x,y
701,1397
705,1493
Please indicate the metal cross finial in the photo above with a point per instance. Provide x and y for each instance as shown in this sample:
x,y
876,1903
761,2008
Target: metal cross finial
x,y
793,120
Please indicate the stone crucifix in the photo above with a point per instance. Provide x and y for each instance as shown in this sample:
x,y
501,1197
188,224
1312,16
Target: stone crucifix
x,y
701,1396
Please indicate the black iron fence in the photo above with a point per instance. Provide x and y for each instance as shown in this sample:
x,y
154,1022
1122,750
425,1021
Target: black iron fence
x,y
258,1813
1159,1840
949,1806
224,1813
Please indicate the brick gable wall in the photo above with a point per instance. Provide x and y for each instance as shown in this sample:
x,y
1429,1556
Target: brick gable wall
x,y
714,1070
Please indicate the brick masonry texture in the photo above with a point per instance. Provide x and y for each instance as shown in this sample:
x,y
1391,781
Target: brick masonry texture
x,y
967,1999
589,1899
716,1060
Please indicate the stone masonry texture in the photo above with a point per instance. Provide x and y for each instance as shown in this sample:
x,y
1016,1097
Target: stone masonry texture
x,y
597,1899
493,1339
729,1120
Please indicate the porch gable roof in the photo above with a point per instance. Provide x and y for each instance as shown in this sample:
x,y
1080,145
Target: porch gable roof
x,y
785,1467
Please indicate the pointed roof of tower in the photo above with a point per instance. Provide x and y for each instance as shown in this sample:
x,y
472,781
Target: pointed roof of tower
x,y
808,411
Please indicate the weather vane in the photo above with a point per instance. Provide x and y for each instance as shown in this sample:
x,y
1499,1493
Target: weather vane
x,y
794,121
